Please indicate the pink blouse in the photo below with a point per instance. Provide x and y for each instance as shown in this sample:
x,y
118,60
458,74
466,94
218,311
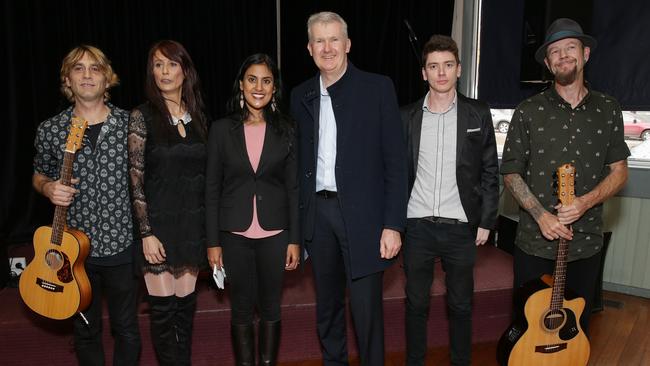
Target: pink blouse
x,y
254,135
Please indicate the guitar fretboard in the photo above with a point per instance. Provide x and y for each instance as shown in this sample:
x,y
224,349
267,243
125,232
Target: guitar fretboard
x,y
559,275
566,194
59,223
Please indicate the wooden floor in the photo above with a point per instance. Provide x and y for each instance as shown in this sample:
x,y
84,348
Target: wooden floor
x,y
619,336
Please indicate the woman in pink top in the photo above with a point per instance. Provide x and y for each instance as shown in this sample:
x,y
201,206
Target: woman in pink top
x,y
252,205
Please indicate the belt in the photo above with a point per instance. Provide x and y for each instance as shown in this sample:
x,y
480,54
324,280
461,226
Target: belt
x,y
442,220
326,194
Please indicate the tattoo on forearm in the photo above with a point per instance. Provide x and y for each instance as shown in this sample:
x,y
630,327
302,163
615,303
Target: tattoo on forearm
x,y
523,195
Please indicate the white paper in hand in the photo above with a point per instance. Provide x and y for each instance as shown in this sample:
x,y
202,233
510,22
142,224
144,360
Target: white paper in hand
x,y
219,275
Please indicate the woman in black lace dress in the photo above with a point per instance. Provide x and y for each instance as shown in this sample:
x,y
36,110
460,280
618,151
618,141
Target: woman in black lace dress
x,y
167,155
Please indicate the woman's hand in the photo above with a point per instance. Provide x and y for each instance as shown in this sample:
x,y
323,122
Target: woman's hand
x,y
293,257
215,257
153,250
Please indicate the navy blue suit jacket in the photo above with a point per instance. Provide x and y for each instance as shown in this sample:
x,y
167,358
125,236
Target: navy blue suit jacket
x,y
370,170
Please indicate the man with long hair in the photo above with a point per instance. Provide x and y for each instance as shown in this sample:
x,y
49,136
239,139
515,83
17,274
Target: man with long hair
x,y
98,201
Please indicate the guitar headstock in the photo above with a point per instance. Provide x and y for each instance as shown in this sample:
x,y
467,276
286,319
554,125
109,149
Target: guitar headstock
x,y
76,135
566,183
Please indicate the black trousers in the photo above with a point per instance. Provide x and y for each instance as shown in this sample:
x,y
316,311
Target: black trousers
x,y
455,245
581,276
329,250
120,288
254,269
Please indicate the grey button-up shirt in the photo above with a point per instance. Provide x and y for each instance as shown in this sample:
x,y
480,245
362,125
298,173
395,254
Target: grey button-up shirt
x,y
435,190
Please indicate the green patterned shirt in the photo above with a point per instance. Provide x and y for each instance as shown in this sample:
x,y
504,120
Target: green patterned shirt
x,y
545,132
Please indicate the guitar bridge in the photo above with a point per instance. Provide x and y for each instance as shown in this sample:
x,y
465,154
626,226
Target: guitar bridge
x,y
49,286
550,348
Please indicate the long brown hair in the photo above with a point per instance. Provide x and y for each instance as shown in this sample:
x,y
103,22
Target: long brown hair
x,y
191,91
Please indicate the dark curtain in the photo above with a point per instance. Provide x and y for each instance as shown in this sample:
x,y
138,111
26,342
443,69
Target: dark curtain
x,y
218,34
38,33
618,66
379,38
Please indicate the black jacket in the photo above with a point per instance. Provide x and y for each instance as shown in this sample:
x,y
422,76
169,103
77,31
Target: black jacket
x,y
231,182
477,164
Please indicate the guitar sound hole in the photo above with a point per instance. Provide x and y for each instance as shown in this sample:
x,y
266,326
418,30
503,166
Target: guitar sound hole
x,y
554,320
54,259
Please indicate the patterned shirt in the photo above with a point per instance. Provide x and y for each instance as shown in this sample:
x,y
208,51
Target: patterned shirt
x,y
102,209
546,132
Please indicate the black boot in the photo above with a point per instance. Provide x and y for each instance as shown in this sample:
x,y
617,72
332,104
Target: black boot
x,y
269,336
163,333
243,342
184,321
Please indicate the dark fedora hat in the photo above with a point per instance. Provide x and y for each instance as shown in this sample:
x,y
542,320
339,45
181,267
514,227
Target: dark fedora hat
x,y
560,29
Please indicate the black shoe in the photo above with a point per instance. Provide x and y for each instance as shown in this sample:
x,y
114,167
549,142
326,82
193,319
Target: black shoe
x,y
269,342
243,342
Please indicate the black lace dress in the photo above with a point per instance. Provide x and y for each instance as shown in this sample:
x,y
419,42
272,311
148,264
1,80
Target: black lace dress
x,y
167,189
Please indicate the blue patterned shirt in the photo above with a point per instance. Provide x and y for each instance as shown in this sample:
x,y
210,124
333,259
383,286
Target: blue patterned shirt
x,y
102,209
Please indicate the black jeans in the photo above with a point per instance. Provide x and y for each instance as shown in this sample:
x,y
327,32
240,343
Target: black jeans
x,y
120,288
254,269
581,276
328,251
455,245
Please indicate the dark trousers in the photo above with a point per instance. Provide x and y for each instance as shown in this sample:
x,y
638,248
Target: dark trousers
x,y
255,269
329,250
120,288
455,245
581,276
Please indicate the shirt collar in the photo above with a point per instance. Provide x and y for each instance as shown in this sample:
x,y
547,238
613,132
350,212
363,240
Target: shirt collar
x,y
452,105
553,96
323,89
186,118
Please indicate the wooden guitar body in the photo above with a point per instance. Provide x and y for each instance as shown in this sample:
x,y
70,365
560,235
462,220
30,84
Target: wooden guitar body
x,y
55,283
542,336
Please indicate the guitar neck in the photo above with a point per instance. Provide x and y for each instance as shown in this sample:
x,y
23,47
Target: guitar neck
x,y
60,212
559,275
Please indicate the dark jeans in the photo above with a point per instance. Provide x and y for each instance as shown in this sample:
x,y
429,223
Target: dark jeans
x,y
330,260
120,288
254,269
455,245
581,276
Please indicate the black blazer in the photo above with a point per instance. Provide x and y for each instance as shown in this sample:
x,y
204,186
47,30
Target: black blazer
x,y
477,165
231,182
370,161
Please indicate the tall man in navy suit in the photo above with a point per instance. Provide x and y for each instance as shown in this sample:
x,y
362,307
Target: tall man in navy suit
x,y
454,196
352,171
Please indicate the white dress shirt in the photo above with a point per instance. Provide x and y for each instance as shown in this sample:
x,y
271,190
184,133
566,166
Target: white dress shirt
x,y
325,173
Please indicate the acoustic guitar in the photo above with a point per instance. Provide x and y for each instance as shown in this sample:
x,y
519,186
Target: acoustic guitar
x,y
55,284
549,332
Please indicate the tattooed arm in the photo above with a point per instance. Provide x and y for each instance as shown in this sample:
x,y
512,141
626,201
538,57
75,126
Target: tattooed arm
x,y
548,223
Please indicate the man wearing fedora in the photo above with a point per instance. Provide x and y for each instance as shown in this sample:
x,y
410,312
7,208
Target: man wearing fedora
x,y
566,123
